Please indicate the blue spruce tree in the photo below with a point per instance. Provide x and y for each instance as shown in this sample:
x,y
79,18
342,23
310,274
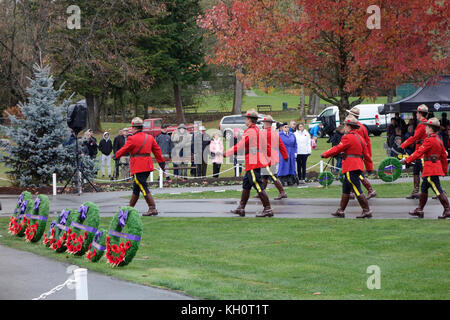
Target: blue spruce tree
x,y
36,149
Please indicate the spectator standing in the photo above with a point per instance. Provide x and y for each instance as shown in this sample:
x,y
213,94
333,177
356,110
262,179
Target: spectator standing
x,y
335,139
292,126
118,143
396,149
409,133
237,136
90,146
205,142
287,168
303,151
181,139
106,147
216,149
165,143
400,122
390,132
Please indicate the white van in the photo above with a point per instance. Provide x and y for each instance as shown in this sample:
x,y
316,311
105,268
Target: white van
x,y
369,115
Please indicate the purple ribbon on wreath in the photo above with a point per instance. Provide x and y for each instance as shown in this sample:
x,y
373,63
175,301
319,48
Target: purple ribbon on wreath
x,y
63,217
98,236
83,212
37,202
23,206
123,216
19,202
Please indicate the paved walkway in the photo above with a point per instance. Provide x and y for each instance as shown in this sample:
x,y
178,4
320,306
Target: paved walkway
x,y
110,202
21,280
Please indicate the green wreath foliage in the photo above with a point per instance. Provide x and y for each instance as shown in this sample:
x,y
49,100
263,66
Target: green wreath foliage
x,y
59,231
393,175
97,247
341,176
37,220
78,241
17,224
325,178
121,251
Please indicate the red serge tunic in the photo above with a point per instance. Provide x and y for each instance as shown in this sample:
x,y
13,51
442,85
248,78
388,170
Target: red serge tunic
x,y
362,132
141,162
432,147
251,143
274,144
418,136
353,150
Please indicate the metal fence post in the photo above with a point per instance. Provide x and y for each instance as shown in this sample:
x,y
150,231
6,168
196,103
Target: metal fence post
x,y
81,286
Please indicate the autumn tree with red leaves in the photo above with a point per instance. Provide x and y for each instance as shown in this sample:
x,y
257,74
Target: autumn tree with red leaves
x,y
332,47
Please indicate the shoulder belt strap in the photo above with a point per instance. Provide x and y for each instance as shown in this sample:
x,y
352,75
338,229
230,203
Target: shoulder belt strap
x,y
143,144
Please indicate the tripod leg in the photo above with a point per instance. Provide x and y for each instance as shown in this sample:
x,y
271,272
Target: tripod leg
x,y
68,181
82,172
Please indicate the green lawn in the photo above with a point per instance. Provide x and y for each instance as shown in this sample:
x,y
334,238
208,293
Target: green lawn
x,y
232,258
274,98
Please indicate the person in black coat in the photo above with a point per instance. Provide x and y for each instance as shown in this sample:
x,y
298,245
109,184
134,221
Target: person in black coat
x,y
118,143
106,147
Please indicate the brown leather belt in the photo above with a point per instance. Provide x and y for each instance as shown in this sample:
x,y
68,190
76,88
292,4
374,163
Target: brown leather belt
x,y
433,158
140,155
352,156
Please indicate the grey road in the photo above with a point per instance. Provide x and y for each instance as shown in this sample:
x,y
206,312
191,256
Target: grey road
x,y
109,203
20,279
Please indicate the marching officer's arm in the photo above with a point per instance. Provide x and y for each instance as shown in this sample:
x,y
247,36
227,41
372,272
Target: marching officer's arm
x,y
156,150
444,161
238,146
368,163
418,135
341,147
427,145
125,149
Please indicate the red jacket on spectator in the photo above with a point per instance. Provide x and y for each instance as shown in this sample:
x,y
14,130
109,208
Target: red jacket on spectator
x,y
431,146
141,162
354,150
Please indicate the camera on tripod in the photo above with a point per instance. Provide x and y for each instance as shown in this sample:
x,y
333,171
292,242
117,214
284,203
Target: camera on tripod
x,y
77,116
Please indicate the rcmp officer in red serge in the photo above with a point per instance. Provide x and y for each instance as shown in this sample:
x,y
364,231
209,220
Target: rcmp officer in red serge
x,y
418,138
140,146
273,143
254,161
356,155
364,134
435,164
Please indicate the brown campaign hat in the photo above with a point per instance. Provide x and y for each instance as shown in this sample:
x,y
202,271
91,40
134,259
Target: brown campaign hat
x,y
354,112
251,113
268,119
137,122
351,120
422,108
434,122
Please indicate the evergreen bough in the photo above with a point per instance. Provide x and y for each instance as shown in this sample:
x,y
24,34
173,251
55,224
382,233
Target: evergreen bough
x,y
37,219
17,225
120,251
83,227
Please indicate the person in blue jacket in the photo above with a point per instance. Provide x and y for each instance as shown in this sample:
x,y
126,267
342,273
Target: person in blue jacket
x,y
287,168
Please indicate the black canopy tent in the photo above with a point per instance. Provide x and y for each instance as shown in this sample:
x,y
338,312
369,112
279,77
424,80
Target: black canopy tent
x,y
436,96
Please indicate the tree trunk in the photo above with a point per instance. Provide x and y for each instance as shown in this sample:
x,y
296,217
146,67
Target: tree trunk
x,y
178,103
114,107
302,103
344,105
122,107
93,114
390,97
238,91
